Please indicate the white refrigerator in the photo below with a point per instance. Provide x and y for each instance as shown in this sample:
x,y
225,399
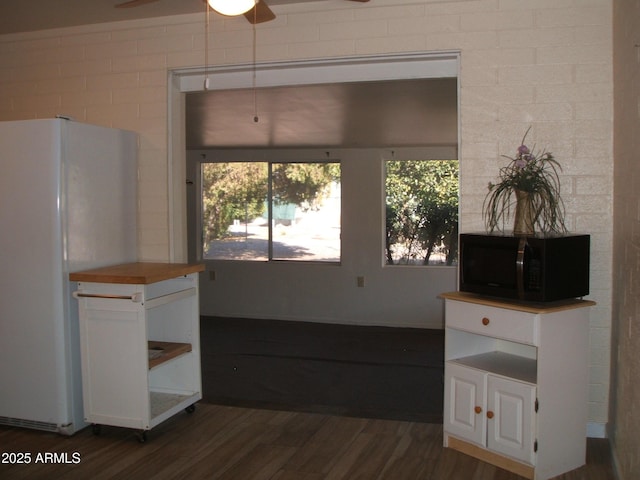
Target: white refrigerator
x,y
67,203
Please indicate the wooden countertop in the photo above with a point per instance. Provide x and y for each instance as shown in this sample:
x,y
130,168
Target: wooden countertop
x,y
529,307
136,273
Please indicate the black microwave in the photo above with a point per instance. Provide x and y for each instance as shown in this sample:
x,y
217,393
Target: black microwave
x,y
537,269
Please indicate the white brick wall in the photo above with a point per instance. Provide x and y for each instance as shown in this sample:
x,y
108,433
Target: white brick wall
x,y
544,63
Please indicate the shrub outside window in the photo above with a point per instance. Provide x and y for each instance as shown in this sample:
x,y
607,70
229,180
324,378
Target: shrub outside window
x,y
421,212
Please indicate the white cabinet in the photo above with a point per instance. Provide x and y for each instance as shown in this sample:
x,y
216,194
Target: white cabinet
x,y
510,405
490,411
516,382
465,401
139,343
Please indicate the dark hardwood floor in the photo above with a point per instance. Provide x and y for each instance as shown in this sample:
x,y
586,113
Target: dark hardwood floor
x,y
226,442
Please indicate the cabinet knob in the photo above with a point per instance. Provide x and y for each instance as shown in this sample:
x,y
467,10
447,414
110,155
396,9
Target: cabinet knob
x,y
485,321
489,414
478,409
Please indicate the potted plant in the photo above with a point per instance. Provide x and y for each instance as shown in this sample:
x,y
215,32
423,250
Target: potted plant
x,y
530,187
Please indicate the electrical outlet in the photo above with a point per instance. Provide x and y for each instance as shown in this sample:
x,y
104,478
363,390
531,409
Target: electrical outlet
x,y
361,281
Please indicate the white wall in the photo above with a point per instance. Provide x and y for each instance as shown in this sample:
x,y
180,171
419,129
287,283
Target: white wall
x,y
393,295
545,63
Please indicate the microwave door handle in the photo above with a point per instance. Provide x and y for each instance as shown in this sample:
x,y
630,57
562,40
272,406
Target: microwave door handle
x,y
522,246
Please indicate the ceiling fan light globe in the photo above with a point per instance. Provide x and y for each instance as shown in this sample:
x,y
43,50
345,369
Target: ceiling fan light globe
x,y
232,7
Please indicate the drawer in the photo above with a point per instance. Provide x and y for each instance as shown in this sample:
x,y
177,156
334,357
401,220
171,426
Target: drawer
x,y
495,322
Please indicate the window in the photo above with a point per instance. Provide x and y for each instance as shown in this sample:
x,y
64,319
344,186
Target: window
x,y
421,212
271,211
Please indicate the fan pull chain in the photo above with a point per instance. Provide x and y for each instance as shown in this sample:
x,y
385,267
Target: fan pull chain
x,y
256,119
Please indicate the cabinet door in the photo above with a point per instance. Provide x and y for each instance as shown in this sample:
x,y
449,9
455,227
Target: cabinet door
x,y
464,403
113,347
510,418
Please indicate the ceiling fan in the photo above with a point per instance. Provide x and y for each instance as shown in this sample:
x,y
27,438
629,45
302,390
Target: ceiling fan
x,y
258,14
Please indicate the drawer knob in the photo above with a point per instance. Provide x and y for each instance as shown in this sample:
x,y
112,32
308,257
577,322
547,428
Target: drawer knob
x,y
489,414
478,409
485,321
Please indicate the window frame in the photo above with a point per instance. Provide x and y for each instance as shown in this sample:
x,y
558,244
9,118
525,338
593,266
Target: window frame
x,y
268,156
394,157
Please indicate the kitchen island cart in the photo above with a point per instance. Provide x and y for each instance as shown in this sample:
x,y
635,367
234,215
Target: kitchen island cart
x,y
139,343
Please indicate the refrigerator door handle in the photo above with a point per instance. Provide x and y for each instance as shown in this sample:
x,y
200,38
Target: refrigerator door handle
x,y
136,297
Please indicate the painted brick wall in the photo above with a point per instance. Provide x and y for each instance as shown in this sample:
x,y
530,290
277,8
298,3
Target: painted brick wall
x,y
625,417
543,63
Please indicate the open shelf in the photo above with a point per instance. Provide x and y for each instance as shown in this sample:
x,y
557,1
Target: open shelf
x,y
505,364
160,352
162,402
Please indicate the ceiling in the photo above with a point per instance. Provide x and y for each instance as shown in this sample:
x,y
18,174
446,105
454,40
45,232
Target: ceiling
x,y
29,15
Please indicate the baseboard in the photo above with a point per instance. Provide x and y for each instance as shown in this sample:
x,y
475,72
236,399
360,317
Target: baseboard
x,y
596,430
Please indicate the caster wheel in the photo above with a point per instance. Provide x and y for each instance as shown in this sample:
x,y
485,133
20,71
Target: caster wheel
x,y
96,429
142,436
190,408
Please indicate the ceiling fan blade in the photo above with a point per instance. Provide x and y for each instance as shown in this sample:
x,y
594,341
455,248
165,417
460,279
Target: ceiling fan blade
x,y
134,3
260,13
